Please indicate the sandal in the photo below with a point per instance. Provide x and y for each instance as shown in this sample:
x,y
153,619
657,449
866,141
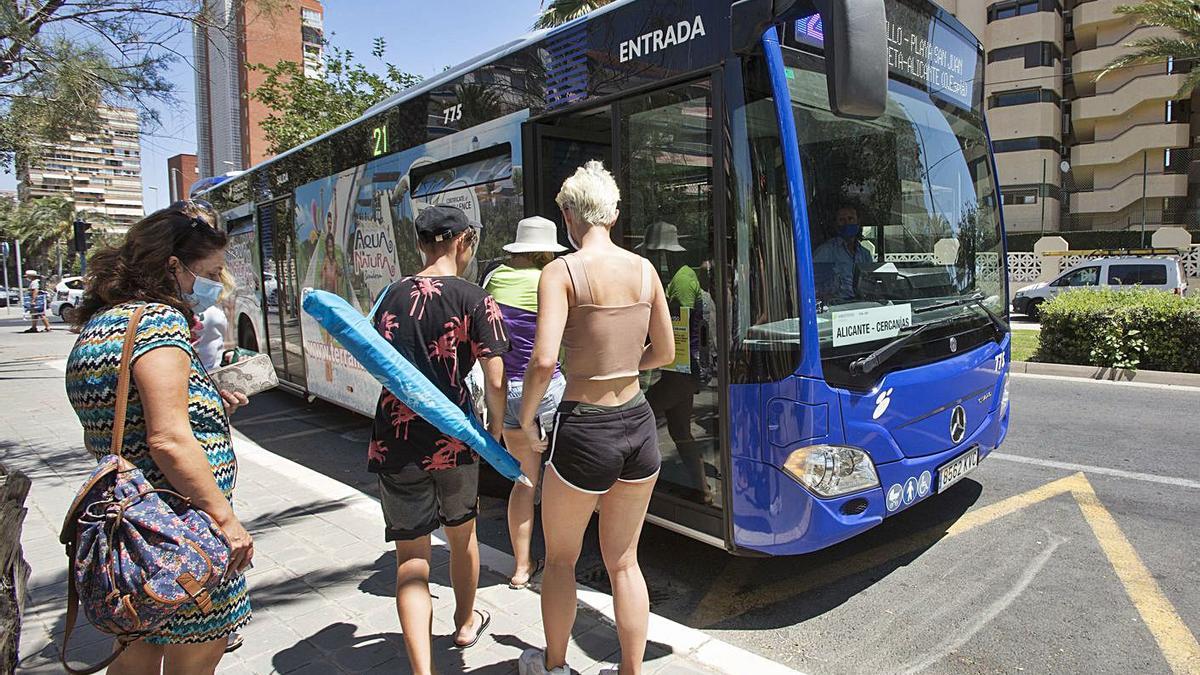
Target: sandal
x,y
537,569
485,620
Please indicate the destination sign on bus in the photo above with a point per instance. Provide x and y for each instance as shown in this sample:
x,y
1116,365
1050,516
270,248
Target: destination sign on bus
x,y
920,49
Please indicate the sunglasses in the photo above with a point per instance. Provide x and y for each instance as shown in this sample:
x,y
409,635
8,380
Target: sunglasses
x,y
181,207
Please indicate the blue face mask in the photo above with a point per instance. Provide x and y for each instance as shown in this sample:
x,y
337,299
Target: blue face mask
x,y
850,230
205,293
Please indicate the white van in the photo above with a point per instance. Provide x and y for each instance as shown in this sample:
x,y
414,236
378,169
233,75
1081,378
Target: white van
x,y
1160,274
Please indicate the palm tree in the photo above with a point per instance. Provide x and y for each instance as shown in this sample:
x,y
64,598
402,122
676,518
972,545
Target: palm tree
x,y
1183,17
44,226
562,11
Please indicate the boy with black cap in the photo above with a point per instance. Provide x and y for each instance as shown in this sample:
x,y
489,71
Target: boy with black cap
x,y
442,324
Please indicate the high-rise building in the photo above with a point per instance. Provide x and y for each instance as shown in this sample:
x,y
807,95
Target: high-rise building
x,y
237,34
181,173
1074,152
100,171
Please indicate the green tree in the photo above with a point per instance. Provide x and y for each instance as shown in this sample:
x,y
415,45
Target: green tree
x,y
59,60
44,227
306,107
562,11
1182,16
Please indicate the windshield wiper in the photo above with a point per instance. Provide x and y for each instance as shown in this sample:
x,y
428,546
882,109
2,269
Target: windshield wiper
x,y
977,300
876,358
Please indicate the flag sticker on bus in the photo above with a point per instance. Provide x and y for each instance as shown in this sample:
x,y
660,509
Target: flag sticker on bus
x,y
866,325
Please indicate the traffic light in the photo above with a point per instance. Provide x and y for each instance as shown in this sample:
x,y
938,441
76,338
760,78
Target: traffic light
x,y
83,236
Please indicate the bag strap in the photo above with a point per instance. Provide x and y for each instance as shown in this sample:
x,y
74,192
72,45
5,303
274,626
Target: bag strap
x,y
118,437
123,375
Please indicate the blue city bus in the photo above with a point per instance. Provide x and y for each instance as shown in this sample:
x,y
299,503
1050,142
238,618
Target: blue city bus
x,y
828,375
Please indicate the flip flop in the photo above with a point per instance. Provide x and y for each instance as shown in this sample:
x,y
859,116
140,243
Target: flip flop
x,y
485,620
537,569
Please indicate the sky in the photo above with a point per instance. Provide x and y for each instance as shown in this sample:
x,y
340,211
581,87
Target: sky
x,y
422,38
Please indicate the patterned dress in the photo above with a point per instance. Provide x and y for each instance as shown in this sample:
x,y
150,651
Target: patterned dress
x,y
91,387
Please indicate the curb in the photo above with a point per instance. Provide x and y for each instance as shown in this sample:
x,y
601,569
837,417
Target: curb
x,y
1106,374
684,641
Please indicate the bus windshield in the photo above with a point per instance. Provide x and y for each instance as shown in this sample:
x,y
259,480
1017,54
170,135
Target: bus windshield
x,y
902,218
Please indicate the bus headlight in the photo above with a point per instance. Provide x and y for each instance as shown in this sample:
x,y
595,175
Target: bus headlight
x,y
832,470
1004,397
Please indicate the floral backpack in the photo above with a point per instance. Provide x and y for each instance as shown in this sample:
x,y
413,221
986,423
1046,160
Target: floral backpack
x,y
134,558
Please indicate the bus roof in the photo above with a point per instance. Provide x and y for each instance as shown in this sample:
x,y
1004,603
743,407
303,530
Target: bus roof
x,y
444,77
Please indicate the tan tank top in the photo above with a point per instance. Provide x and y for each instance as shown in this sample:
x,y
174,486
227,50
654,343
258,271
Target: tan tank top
x,y
602,342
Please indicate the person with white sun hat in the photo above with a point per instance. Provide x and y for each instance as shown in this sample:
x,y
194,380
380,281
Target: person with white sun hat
x,y
515,287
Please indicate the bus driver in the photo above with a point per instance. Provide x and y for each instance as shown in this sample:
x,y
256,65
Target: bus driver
x,y
835,260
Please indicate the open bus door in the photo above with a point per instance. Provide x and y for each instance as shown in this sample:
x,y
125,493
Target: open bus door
x,y
659,147
278,241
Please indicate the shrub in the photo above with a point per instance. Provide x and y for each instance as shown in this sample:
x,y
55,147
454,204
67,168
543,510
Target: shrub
x,y
1122,329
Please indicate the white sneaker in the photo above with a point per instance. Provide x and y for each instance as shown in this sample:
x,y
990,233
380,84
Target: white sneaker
x,y
533,662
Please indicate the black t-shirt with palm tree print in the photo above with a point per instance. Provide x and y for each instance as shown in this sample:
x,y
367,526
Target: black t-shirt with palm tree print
x,y
442,325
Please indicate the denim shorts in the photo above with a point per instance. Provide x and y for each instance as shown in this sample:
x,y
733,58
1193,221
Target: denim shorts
x,y
554,394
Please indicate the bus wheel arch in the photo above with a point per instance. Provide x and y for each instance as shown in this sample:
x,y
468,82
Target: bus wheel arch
x,y
246,337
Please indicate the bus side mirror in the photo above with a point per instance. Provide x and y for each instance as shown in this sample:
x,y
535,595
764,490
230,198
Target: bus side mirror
x,y
856,53
856,47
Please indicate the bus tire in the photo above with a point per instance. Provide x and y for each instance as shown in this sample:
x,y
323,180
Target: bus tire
x,y
246,337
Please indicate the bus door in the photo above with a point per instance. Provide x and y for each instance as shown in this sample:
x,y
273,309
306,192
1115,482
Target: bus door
x,y
281,287
559,147
660,148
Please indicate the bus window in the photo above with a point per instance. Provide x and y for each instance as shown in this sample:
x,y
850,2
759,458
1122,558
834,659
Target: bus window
x,y
918,181
765,308
667,178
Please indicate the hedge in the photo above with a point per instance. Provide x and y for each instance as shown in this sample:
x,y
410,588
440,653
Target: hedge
x,y
1086,240
1122,329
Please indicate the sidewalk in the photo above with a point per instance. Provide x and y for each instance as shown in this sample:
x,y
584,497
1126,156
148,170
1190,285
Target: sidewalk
x,y
323,577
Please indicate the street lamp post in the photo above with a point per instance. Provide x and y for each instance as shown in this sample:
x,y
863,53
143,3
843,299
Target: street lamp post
x,y
155,188
175,196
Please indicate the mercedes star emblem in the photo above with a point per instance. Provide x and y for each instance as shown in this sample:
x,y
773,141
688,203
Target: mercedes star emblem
x,y
958,424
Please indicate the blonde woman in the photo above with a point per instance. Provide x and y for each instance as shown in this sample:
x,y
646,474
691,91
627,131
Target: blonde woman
x,y
599,305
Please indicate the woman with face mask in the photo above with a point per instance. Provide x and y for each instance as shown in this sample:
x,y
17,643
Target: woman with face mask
x,y
177,423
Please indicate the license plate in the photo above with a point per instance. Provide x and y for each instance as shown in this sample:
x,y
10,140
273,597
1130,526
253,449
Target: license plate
x,y
958,468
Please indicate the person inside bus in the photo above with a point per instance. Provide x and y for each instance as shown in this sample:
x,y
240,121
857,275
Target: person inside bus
x,y
674,388
836,261
515,287
599,305
442,324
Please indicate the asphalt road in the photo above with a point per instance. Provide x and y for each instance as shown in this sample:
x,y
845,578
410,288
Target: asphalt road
x,y
1074,549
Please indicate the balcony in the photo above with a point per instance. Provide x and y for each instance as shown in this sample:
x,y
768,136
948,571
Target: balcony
x,y
1128,191
1130,94
1129,143
1093,60
1097,11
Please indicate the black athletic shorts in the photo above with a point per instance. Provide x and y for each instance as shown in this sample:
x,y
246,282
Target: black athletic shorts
x,y
415,501
593,448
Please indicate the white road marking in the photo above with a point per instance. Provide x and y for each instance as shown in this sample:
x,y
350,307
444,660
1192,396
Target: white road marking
x,y
1104,471
60,365
993,610
1086,380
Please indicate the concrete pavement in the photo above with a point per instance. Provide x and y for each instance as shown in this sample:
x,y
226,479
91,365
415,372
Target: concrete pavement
x,y
323,578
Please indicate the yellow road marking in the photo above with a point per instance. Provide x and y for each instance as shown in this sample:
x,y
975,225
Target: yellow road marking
x,y
733,594
728,597
1176,642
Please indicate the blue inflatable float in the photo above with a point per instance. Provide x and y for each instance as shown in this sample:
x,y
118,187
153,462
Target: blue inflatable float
x,y
352,330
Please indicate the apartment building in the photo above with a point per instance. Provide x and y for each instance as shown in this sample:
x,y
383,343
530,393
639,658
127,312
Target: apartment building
x,y
1073,153
100,171
237,34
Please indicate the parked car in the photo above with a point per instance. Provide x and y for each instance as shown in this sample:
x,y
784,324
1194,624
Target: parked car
x,y
67,295
10,297
1160,274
